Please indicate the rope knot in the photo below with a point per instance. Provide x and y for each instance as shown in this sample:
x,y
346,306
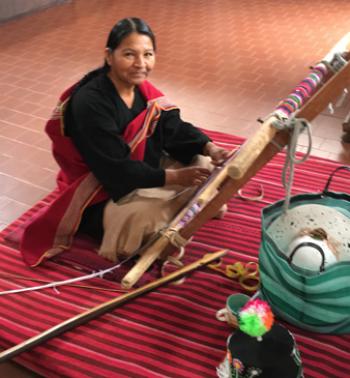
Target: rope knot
x,y
173,235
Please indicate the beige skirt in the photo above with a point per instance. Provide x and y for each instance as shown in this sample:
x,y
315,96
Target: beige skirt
x,y
135,218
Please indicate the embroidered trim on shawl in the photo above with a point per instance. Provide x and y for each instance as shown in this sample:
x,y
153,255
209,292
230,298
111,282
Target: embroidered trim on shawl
x,y
154,111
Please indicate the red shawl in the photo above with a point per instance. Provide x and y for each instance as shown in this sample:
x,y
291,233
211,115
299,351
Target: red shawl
x,y
52,232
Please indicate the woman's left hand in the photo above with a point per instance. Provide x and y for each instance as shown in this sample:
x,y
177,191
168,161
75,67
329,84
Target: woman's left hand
x,y
218,154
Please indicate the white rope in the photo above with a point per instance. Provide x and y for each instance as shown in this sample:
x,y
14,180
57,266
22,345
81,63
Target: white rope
x,y
297,126
64,282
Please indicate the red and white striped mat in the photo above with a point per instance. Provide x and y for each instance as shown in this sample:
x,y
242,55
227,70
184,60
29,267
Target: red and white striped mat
x,y
172,331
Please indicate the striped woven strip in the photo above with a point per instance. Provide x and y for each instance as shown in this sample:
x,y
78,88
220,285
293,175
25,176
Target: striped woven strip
x,y
305,89
171,332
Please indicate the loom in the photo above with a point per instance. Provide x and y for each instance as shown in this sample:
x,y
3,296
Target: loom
x,y
326,82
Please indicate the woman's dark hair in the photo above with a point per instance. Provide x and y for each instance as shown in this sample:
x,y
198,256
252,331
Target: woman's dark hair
x,y
125,27
119,32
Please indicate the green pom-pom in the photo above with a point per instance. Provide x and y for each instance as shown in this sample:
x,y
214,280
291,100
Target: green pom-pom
x,y
251,325
255,318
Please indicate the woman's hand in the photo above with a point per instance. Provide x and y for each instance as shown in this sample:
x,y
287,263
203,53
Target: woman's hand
x,y
188,176
218,154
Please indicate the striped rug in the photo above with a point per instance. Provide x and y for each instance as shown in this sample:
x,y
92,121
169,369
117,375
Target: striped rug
x,y
171,332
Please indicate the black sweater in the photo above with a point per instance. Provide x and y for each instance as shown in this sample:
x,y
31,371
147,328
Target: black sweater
x,y
96,118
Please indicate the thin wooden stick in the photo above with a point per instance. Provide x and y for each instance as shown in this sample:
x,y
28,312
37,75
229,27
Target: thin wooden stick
x,y
106,307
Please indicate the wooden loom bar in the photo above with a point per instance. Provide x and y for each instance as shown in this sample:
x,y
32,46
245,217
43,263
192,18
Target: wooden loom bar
x,y
257,152
105,307
309,111
332,89
251,150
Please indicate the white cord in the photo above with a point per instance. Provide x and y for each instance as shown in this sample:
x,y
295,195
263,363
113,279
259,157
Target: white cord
x,y
65,282
298,125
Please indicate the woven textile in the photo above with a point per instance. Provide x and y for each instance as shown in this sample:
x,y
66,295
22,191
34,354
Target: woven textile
x,y
171,332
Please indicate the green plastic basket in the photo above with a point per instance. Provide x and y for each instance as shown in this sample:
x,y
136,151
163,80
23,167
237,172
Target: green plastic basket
x,y
316,301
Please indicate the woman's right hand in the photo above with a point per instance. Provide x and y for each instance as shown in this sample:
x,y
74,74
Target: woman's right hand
x,y
188,176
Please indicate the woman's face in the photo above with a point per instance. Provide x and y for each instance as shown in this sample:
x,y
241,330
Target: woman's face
x,y
132,60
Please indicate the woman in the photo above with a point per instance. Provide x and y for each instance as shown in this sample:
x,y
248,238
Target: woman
x,y
116,129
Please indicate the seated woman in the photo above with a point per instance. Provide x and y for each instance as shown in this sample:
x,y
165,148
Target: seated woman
x,y
110,133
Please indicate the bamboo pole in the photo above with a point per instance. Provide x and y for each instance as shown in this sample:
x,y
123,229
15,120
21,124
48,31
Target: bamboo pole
x,y
105,307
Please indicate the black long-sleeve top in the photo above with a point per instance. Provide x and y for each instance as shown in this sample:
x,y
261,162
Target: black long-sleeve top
x,y
96,118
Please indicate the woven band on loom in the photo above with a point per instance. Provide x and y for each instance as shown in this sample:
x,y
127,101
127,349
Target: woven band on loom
x,y
305,89
191,212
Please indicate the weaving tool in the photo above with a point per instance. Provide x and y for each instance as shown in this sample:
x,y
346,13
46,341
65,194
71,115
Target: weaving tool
x,y
101,309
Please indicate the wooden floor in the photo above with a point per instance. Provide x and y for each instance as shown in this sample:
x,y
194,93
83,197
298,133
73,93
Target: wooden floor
x,y
224,62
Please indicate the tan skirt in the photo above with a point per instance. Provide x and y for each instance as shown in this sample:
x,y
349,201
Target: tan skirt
x,y
131,221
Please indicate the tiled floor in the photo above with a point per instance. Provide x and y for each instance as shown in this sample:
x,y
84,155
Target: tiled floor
x,y
224,62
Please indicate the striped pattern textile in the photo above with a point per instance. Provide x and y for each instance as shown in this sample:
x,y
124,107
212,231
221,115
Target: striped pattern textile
x,y
317,302
170,332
